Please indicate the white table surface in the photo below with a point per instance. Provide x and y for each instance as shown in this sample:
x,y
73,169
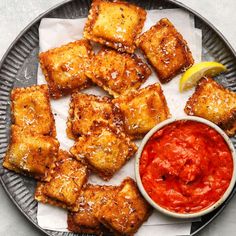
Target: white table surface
x,y
16,14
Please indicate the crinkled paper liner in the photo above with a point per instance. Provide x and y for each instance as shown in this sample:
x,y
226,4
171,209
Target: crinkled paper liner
x,y
56,32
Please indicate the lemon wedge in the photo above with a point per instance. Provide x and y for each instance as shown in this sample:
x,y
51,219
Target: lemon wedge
x,y
197,71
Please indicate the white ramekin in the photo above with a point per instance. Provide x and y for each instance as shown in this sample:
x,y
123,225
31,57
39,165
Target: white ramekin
x,y
182,215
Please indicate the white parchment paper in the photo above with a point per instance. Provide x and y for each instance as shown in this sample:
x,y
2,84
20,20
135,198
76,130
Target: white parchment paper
x,y
55,32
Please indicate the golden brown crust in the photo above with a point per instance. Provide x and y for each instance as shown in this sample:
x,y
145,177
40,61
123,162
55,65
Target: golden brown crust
x,y
117,73
232,130
115,24
215,103
80,228
126,212
31,154
165,49
87,108
105,149
64,67
92,197
66,181
142,110
31,109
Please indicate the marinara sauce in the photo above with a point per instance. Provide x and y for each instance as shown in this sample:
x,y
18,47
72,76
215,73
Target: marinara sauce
x,y
186,166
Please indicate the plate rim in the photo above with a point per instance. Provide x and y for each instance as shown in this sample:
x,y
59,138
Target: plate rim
x,y
58,5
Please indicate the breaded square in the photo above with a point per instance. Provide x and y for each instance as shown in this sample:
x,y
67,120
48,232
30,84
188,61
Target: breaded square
x,y
87,108
117,73
215,103
91,199
126,211
31,154
115,24
142,110
66,181
165,49
64,67
31,109
105,149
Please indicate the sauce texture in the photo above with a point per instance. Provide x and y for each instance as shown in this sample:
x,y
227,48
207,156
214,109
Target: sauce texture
x,y
186,166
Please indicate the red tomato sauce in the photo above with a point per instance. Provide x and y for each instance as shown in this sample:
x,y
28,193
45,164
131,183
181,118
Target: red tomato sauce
x,y
186,166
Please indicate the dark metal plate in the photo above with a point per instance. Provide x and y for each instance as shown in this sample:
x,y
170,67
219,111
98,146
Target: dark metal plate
x,y
19,68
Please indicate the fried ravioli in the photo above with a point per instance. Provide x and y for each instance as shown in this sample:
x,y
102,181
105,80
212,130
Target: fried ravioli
x,y
126,211
31,154
64,67
105,149
91,199
66,181
215,103
115,24
85,109
165,49
31,110
142,110
117,73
